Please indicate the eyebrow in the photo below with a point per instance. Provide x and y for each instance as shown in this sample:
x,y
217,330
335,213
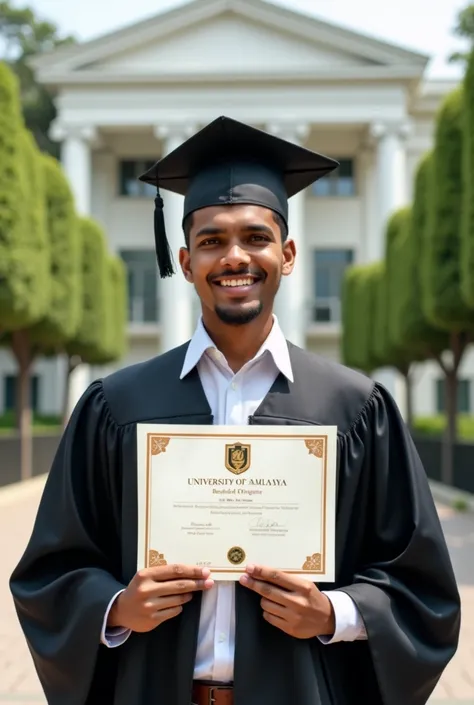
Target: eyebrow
x,y
254,228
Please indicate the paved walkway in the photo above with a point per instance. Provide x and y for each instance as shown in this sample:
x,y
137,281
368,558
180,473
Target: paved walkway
x,y
18,682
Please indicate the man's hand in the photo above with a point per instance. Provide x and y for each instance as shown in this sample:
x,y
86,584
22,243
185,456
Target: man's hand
x,y
292,604
157,594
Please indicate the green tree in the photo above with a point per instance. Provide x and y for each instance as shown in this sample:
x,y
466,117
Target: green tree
x,y
29,285
400,354
89,343
467,210
350,318
410,327
16,305
442,300
119,308
63,315
358,316
22,36
465,30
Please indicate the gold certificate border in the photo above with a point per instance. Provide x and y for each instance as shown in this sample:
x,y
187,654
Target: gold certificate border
x,y
317,445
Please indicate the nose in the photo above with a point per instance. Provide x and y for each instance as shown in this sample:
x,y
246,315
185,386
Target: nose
x,y
235,257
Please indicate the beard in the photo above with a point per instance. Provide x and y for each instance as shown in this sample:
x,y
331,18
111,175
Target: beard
x,y
239,318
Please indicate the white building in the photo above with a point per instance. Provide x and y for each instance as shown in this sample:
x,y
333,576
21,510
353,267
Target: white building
x,y
129,97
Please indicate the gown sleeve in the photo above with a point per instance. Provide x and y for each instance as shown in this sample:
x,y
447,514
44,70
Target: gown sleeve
x,y
71,566
404,585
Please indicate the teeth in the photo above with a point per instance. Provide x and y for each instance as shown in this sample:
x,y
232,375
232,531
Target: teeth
x,y
236,282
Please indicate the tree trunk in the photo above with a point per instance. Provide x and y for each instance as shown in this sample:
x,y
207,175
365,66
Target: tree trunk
x,y
450,432
458,344
22,351
409,398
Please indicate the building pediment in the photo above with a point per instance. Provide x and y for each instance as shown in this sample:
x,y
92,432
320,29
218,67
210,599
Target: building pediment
x,y
227,40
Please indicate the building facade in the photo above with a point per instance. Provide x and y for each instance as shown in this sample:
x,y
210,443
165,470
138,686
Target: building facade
x,y
130,97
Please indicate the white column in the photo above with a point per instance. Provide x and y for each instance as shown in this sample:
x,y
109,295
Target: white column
x,y
76,159
176,294
392,193
370,230
291,301
391,175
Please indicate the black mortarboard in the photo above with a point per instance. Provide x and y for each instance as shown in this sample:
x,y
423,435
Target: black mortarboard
x,y
228,162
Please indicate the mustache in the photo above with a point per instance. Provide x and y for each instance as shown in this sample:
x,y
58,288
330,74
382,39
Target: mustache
x,y
238,273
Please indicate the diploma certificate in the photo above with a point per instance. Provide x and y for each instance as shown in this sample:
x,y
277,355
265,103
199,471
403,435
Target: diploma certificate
x,y
227,496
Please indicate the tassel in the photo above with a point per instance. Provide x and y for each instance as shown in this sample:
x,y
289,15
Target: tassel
x,y
163,252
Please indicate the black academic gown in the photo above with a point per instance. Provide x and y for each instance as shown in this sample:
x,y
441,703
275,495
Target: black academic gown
x,y
391,556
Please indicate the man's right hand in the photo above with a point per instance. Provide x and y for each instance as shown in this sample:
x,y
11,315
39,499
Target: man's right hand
x,y
157,594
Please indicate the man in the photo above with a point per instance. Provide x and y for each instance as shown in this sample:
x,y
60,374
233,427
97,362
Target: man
x,y
99,632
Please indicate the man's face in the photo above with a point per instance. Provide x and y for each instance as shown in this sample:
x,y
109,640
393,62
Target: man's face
x,y
235,260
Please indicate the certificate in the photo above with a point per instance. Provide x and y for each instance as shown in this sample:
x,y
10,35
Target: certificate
x,y
223,497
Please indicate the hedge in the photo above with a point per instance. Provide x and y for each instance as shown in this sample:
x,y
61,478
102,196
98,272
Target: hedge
x,y
467,217
442,300
410,326
89,339
65,308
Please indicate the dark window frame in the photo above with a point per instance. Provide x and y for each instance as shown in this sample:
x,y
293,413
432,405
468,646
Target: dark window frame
x,y
340,183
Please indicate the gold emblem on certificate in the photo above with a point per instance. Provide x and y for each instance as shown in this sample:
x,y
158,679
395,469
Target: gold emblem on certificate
x,y
237,458
236,555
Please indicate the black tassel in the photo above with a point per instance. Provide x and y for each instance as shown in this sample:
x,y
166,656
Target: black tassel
x,y
163,252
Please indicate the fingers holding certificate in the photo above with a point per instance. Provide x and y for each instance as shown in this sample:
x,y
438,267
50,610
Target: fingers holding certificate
x,y
222,497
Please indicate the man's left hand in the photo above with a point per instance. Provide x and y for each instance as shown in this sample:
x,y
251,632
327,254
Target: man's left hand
x,y
292,604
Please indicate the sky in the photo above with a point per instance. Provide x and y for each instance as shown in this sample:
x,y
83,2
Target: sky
x,y
422,25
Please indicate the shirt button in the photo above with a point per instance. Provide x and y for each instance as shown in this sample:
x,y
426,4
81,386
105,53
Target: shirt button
x,y
222,637
234,386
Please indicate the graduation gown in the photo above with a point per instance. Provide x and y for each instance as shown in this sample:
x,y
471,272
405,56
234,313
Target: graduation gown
x,y
391,557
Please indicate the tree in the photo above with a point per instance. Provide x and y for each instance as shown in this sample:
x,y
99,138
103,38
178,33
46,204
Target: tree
x,y
410,327
30,277
62,317
442,300
350,318
400,354
23,36
358,313
465,29
118,317
16,305
467,210
87,344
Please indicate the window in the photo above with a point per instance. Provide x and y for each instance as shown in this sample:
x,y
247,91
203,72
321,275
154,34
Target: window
x,y
142,285
329,268
464,396
130,170
340,182
9,392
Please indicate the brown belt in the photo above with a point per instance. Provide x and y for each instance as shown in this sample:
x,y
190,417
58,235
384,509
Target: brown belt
x,y
212,694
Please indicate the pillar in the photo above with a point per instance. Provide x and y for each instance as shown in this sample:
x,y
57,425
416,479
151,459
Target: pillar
x,y
176,294
291,302
391,175
392,193
76,160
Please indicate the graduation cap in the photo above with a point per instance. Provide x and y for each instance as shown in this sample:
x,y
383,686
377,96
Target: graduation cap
x,y
228,162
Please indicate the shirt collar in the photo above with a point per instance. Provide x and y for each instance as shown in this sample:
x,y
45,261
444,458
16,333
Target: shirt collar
x,y
275,345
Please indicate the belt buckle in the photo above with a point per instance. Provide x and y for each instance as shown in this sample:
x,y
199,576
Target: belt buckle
x,y
212,690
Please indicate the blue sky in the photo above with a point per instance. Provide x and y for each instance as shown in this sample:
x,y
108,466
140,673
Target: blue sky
x,y
422,25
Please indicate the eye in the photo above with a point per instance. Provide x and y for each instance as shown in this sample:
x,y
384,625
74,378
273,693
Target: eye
x,y
259,238
209,241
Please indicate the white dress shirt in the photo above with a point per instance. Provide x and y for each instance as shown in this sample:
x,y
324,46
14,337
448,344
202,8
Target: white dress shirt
x,y
233,398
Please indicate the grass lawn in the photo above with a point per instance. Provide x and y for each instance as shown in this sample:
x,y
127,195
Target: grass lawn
x,y
41,424
434,426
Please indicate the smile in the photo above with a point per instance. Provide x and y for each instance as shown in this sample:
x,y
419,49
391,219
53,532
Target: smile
x,y
248,281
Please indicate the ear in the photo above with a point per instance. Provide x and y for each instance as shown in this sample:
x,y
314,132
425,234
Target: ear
x,y
289,256
185,262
